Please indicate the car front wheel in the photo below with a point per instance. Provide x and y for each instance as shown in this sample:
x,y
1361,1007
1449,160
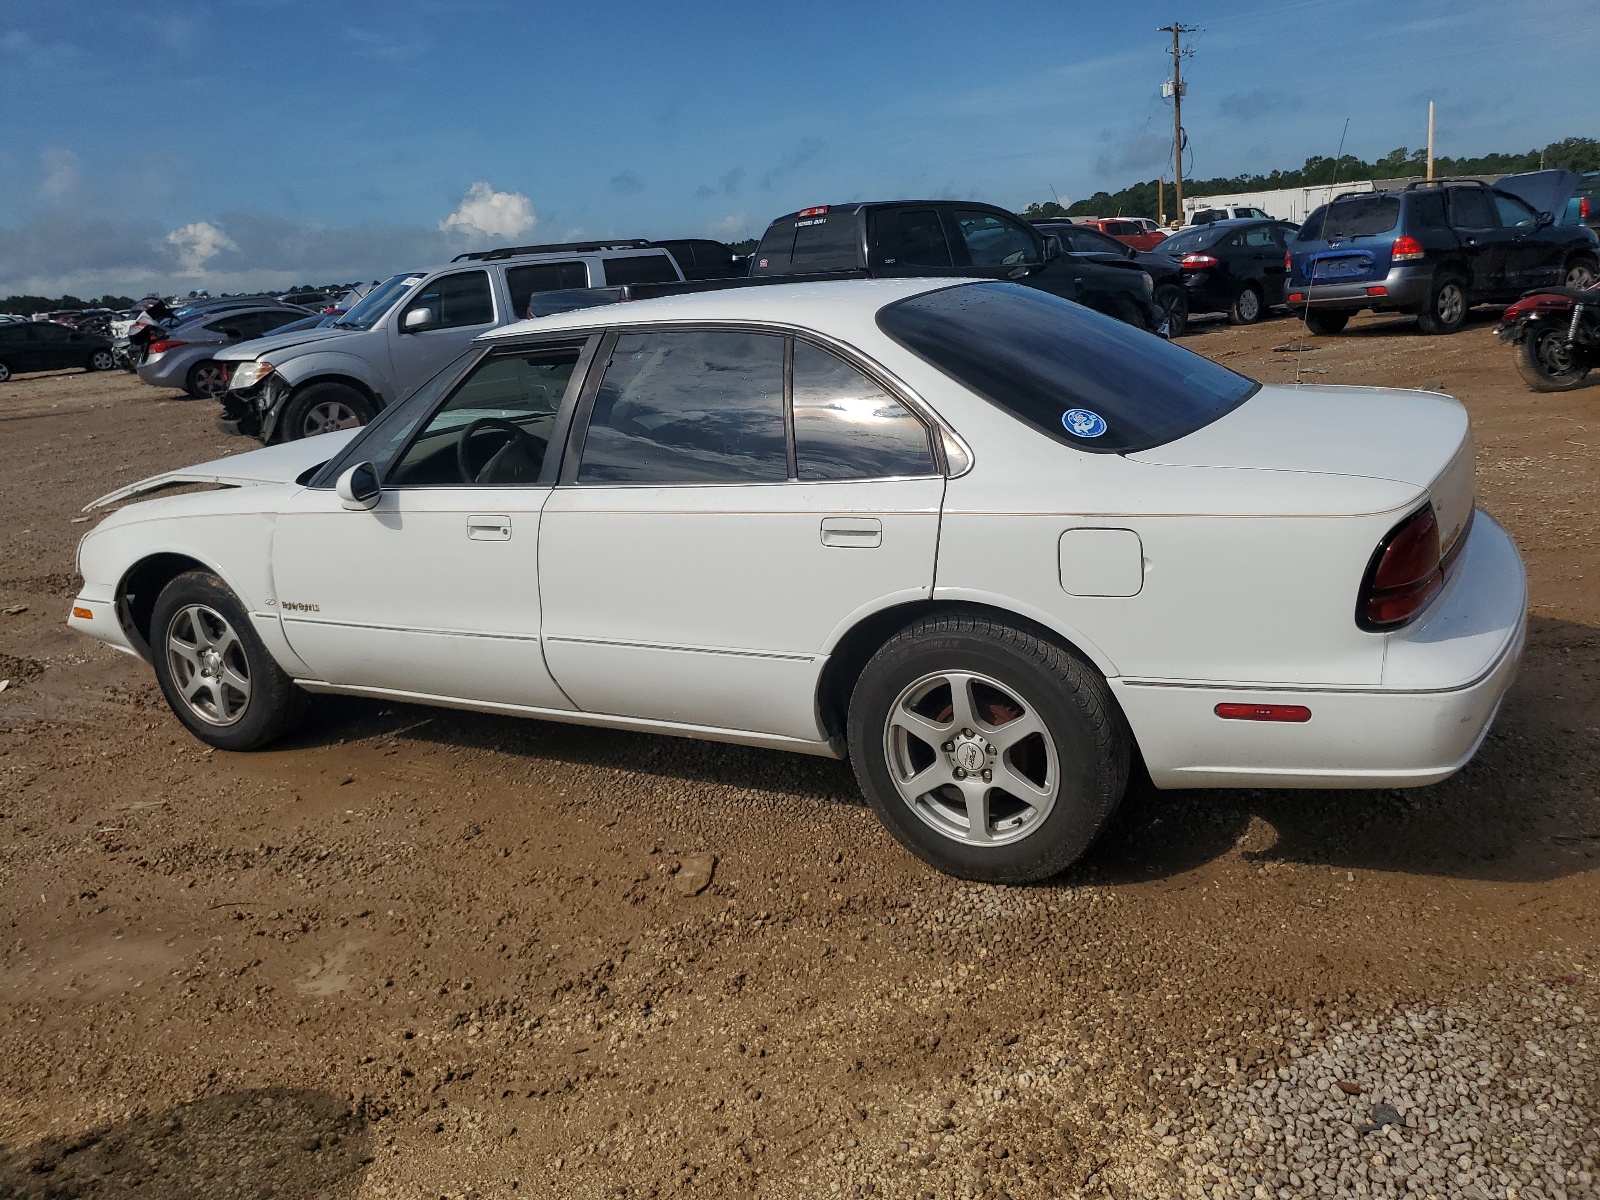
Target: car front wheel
x,y
1581,273
213,669
5,372
324,408
990,753
101,360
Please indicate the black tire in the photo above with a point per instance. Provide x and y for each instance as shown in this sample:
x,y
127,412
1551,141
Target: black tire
x,y
1446,308
1580,272
207,380
1086,759
1173,302
5,371
322,408
271,703
1546,364
1327,322
100,360
1248,307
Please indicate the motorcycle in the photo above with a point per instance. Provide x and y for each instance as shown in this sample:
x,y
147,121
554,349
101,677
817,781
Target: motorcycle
x,y
1557,336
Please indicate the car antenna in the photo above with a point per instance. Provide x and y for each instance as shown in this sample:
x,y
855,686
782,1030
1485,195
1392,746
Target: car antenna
x,y
1300,354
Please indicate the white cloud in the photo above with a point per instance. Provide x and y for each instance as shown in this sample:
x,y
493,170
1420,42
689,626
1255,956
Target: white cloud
x,y
733,228
485,212
61,174
197,244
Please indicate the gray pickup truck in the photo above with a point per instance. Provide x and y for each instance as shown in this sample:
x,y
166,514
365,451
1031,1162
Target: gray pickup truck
x,y
398,335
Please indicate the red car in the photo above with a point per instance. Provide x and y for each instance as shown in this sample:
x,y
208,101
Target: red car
x,y
1139,232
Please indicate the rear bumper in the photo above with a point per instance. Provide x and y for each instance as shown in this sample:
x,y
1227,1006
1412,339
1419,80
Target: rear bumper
x,y
170,370
1404,287
1444,680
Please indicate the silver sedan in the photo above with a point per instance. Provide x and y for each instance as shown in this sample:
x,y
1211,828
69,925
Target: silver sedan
x,y
183,359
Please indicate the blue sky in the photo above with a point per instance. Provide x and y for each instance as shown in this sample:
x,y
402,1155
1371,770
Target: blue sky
x,y
243,143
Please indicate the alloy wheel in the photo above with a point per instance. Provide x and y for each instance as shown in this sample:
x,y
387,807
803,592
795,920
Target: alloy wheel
x,y
971,758
5,372
101,360
327,417
208,664
1581,275
210,379
1451,305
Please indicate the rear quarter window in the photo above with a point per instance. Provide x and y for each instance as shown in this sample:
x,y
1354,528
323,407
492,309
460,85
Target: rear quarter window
x,y
1080,378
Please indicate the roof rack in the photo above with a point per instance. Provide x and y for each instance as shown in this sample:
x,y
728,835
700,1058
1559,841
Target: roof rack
x,y
552,248
1428,183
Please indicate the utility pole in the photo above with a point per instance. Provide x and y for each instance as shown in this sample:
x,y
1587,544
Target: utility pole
x,y
1430,141
1176,86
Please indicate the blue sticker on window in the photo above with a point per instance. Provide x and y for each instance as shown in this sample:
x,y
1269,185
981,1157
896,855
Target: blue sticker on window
x,y
1080,422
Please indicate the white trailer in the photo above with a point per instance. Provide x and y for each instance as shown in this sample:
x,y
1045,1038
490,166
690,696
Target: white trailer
x,y
1286,204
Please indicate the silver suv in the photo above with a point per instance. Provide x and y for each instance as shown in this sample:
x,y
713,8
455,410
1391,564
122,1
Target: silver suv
x,y
399,334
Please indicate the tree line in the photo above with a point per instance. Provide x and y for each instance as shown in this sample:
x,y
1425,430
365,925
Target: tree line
x,y
1139,199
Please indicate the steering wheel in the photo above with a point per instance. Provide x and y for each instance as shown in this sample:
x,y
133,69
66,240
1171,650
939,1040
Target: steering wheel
x,y
535,446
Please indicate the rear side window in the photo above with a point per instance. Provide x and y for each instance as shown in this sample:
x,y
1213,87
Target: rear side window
x,y
1357,216
1470,209
523,282
1074,375
640,268
1427,211
847,427
700,407
910,237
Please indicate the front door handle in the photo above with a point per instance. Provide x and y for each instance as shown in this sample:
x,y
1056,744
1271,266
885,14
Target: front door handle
x,y
487,527
861,532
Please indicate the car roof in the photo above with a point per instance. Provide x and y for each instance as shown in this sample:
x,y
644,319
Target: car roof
x,y
837,307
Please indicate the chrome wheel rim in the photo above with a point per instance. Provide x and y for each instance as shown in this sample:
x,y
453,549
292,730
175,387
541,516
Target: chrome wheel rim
x,y
971,757
210,380
1580,275
102,360
329,416
208,664
1249,305
5,372
1452,304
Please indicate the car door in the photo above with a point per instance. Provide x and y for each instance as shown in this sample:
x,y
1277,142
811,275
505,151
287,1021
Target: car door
x,y
435,591
1535,256
435,324
56,347
1483,242
1265,249
909,241
732,499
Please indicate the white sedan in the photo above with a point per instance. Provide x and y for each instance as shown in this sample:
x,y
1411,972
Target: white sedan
x,y
989,544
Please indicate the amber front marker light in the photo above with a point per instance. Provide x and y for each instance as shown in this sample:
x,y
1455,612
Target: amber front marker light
x,y
83,614
1296,714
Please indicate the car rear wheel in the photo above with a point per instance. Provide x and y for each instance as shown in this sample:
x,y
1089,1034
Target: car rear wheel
x,y
1582,273
213,669
1173,302
989,752
1547,364
1247,306
1446,309
5,372
1327,322
207,380
323,408
101,360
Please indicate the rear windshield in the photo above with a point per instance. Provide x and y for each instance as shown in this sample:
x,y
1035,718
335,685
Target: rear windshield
x,y
825,243
1075,375
1190,240
1359,216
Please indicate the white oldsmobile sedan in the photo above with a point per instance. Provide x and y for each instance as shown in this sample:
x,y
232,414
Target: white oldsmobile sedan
x,y
990,545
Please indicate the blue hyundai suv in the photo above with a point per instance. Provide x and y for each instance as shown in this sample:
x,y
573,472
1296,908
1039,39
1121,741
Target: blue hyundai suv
x,y
1434,249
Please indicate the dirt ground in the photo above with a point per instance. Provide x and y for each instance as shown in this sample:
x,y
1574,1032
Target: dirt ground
x,y
418,953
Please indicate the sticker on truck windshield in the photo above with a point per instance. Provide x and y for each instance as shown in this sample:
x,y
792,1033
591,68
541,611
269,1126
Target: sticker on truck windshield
x,y
1083,423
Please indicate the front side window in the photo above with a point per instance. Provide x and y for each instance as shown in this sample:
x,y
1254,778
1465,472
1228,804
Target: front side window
x,y
495,429
692,407
455,301
1514,214
523,282
1075,375
847,427
911,237
995,242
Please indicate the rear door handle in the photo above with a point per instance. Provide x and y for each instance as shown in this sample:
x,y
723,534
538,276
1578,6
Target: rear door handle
x,y
489,527
863,532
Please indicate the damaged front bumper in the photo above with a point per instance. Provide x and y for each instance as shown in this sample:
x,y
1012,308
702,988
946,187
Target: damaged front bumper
x,y
254,411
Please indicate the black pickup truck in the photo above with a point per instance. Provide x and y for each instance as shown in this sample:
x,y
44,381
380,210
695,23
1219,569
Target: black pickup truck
x,y
946,238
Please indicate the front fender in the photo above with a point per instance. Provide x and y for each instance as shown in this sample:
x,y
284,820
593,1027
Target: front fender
x,y
327,364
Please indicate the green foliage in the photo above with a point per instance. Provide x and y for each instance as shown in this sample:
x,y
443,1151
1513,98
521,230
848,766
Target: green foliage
x,y
1048,209
1139,199
28,305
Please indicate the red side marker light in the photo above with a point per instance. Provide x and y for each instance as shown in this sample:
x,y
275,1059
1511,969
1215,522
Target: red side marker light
x,y
1294,714
813,212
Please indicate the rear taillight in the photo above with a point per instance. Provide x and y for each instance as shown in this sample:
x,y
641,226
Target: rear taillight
x,y
1406,249
1583,208
1198,261
1404,575
1288,261
163,347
